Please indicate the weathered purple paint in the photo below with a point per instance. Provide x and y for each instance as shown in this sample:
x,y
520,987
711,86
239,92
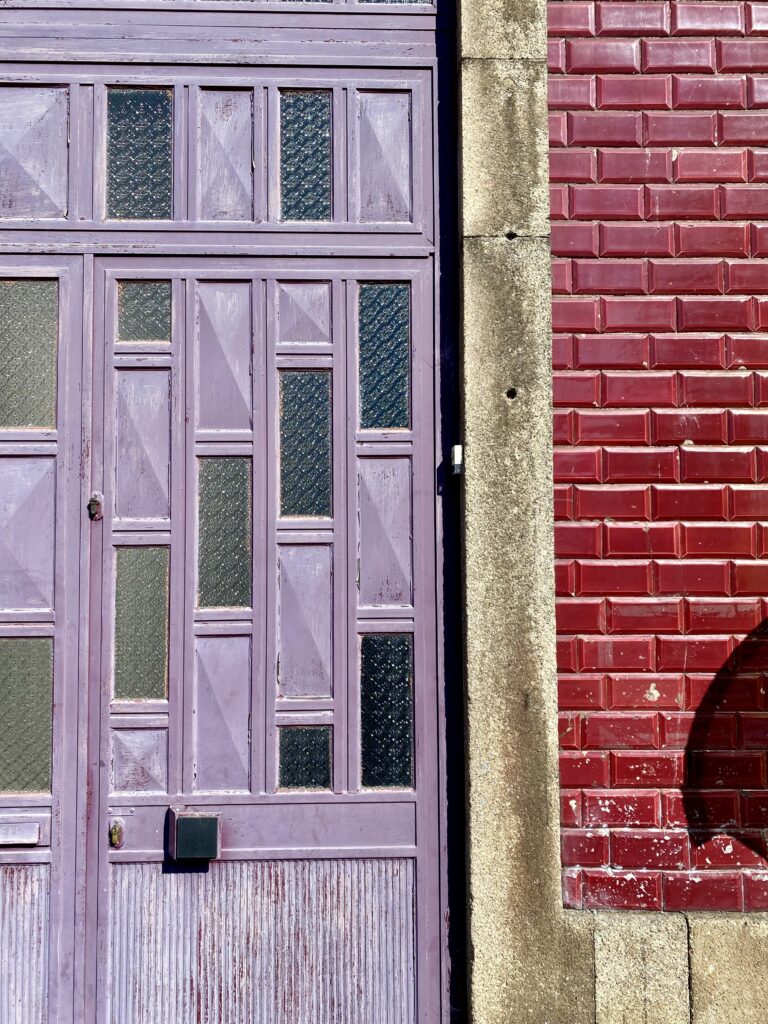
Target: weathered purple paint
x,y
335,899
27,488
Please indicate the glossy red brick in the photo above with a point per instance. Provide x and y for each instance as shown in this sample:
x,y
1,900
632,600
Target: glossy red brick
x,y
582,692
678,55
747,351
743,55
617,202
572,889
737,464
691,19
565,576
614,890
634,539
582,769
682,202
755,890
609,276
647,768
558,129
742,692
754,809
712,240
637,240
649,849
677,728
754,731
748,502
558,202
569,730
711,165
595,55
561,277
574,239
576,314
629,92
571,92
722,615
607,730
634,165
716,314
614,577
628,807
573,165
574,540
726,539
699,426
605,128
749,426
697,577
747,276
614,502
617,653
701,92
744,202
628,314
562,426
570,808
567,654
757,162
612,351
729,769
748,129
757,94
688,501
633,19
577,464
563,501
576,388
644,615
634,464
703,891
757,18
646,691
588,848
684,350
759,240
680,129
605,426
719,810
571,19
625,388
732,388
675,276
556,55
693,653
750,578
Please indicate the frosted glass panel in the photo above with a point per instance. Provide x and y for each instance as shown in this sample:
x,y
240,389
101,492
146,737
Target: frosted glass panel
x,y
141,623
29,318
144,310
386,710
139,154
305,155
224,542
26,692
305,443
305,757
384,325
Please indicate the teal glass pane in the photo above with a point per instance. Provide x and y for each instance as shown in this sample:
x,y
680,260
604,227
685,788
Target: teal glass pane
x,y
141,623
144,310
305,757
139,154
29,329
305,443
225,512
386,710
384,324
26,699
305,154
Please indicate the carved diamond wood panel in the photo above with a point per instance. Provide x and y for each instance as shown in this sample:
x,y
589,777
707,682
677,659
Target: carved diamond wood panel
x,y
33,152
27,487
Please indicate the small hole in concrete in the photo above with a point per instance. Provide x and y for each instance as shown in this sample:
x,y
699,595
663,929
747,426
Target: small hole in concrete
x,y
511,393
511,235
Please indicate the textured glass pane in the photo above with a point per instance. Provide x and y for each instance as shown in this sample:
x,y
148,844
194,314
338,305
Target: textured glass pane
x,y
144,311
224,542
386,709
384,325
305,757
26,699
141,623
305,443
305,155
139,154
29,317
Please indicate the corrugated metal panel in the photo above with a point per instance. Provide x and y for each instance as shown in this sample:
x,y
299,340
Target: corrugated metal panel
x,y
24,892
266,942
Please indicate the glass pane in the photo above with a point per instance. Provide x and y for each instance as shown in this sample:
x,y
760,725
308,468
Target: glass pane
x,y
305,757
139,154
305,443
144,311
384,325
305,155
224,567
141,623
26,698
386,710
29,323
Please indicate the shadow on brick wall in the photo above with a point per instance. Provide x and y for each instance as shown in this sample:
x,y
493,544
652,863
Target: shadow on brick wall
x,y
726,788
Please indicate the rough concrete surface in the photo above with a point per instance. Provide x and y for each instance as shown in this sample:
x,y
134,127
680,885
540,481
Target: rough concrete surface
x,y
504,147
641,969
504,28
729,968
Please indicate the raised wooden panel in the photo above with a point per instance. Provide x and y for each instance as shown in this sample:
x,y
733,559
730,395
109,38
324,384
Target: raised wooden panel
x,y
33,152
140,760
224,355
225,171
304,313
221,713
384,127
27,490
386,532
305,646
143,441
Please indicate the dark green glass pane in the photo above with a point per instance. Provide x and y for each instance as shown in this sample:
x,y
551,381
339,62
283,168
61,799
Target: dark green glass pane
x,y
384,314
141,623
29,327
305,155
139,154
305,757
26,699
224,565
305,443
386,710
144,311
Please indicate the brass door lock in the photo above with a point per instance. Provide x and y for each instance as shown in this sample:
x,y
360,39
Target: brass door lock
x,y
116,833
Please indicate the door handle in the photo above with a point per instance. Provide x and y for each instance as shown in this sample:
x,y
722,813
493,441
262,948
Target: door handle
x,y
96,506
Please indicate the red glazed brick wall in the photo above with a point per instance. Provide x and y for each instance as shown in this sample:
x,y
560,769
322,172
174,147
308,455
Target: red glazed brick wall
x,y
659,169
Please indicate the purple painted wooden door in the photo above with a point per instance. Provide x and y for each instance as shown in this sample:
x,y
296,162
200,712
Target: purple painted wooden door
x,y
217,325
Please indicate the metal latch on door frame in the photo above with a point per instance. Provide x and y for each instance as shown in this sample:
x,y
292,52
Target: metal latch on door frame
x,y
96,506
